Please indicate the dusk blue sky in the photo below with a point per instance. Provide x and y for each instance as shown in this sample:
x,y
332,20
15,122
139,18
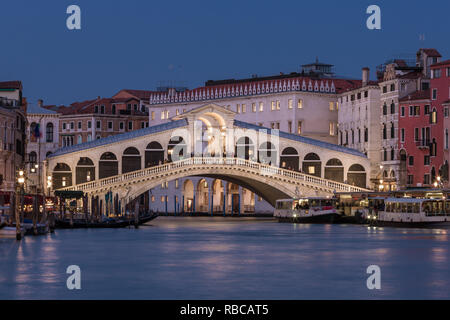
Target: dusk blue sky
x,y
136,44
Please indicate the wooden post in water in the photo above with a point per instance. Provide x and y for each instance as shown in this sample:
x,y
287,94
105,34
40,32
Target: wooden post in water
x,y
136,214
35,214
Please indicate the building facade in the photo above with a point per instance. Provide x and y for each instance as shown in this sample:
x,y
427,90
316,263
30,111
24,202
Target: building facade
x,y
440,100
359,122
399,79
43,140
12,136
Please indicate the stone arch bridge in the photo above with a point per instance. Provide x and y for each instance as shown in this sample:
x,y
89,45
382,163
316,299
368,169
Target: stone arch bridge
x,y
207,142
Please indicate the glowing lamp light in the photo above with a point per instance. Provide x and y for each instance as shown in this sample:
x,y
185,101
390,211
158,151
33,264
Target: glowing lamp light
x,y
33,170
21,180
435,184
438,178
36,166
21,173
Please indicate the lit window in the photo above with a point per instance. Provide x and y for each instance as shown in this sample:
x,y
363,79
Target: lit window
x,y
331,127
153,115
273,105
238,108
244,107
163,114
290,104
261,106
253,107
331,106
299,127
278,104
311,169
300,104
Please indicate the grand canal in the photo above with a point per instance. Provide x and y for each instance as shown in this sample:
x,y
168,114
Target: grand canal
x,y
228,258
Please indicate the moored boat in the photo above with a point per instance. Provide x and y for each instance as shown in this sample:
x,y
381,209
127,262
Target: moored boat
x,y
413,212
306,210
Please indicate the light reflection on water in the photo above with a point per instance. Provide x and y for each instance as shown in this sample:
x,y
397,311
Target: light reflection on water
x,y
224,258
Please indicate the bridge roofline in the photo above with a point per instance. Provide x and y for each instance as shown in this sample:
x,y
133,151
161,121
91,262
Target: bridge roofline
x,y
302,139
120,137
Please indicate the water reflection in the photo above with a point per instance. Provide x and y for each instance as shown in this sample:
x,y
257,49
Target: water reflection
x,y
223,258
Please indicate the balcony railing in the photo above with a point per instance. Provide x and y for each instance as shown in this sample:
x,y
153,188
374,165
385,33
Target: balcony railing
x,y
423,143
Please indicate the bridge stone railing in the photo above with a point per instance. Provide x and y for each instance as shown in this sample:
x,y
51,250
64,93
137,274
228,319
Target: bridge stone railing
x,y
264,170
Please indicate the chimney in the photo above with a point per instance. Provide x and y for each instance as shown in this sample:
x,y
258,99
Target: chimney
x,y
40,103
365,76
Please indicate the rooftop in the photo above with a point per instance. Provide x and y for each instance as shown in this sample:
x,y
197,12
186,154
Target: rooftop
x,y
11,85
417,95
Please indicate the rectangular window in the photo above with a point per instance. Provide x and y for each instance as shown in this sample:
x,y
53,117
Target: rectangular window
x,y
426,160
393,87
384,89
167,114
300,103
96,109
273,105
244,108
417,110
437,73
72,125
163,199
64,126
89,124
130,125
253,107
434,95
290,126
278,104
153,115
102,109
121,126
410,179
110,125
331,106
416,134
331,128
402,134
290,104
142,124
79,125
402,111
299,127
411,160
446,112
411,111
99,124
261,107
427,109
177,183
163,115
238,108
446,139
426,179
177,112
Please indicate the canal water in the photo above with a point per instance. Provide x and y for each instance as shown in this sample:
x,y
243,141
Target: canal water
x,y
228,258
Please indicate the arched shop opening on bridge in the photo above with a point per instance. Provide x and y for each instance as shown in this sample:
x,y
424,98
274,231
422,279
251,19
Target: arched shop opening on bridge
x,y
154,154
312,164
108,165
289,159
131,160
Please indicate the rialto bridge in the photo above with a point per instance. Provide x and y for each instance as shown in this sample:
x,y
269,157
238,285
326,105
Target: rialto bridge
x,y
205,142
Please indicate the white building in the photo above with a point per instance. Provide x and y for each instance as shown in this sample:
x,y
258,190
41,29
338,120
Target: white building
x,y
39,147
359,121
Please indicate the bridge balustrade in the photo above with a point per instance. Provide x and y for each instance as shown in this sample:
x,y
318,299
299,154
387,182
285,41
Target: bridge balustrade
x,y
263,169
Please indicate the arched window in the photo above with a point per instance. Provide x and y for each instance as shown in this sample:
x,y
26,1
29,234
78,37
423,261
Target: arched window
x,y
384,131
32,157
392,130
384,109
33,132
392,107
433,117
49,132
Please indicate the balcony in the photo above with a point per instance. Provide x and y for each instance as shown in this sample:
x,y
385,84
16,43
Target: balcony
x,y
423,144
